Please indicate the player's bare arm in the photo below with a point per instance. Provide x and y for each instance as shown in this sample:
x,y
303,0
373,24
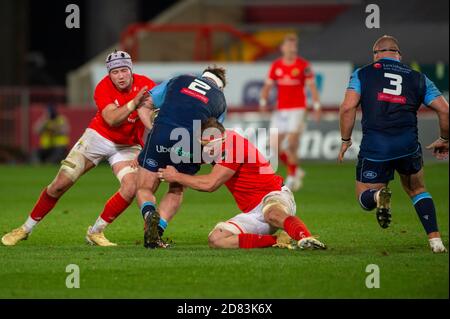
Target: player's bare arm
x,y
347,115
440,146
204,183
268,85
312,87
146,112
115,115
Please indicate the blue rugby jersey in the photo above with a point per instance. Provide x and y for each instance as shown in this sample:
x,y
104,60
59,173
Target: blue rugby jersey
x,y
186,98
391,93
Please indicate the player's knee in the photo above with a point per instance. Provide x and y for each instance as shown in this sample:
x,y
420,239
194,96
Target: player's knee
x,y
176,188
216,239
73,166
272,215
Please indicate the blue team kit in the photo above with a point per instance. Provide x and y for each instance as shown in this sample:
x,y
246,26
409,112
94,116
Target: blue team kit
x,y
391,94
182,101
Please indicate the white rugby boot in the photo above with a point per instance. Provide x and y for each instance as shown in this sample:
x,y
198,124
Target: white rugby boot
x,y
437,246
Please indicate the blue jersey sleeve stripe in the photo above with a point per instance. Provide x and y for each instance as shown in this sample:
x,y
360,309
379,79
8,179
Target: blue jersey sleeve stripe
x,y
355,83
419,197
221,118
431,93
158,94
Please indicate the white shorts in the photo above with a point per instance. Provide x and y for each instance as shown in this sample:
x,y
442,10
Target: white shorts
x,y
97,148
288,121
253,222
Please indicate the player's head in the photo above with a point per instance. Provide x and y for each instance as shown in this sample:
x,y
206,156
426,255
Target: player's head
x,y
289,46
120,69
217,74
386,47
212,137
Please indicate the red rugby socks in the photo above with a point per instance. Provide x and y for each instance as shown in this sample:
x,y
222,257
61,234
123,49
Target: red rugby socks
x,y
256,241
296,228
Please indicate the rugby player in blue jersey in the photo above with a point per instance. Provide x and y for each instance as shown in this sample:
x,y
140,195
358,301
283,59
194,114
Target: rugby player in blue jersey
x,y
181,101
390,94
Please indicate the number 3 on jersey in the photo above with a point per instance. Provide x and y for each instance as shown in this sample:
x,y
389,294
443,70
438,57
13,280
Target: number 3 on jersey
x,y
199,86
396,82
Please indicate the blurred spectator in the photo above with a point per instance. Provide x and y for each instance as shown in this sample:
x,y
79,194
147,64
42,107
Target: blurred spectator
x,y
53,130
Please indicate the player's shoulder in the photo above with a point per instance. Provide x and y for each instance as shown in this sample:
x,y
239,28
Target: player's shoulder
x,y
302,61
105,84
142,80
277,62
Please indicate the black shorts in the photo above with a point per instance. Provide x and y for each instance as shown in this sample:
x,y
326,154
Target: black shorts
x,y
159,151
374,172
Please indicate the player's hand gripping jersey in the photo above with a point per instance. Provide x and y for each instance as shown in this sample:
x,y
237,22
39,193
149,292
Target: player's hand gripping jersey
x,y
131,131
180,101
391,94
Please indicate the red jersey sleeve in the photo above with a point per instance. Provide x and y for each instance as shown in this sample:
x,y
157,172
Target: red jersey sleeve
x,y
101,96
272,74
228,160
149,83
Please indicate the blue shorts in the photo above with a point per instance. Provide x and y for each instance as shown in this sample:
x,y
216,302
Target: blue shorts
x,y
159,151
374,172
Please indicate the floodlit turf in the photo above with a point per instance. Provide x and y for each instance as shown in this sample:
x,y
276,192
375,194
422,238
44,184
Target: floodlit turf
x,y
36,267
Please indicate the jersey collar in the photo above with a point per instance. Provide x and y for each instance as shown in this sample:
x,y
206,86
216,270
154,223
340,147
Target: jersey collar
x,y
391,59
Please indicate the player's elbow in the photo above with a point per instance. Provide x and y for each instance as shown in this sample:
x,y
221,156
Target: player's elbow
x,y
211,186
111,122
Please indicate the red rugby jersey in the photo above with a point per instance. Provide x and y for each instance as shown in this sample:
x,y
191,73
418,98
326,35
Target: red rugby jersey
x,y
254,177
290,80
131,131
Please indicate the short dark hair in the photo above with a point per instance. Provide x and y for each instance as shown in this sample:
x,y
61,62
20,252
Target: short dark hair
x,y
217,71
212,122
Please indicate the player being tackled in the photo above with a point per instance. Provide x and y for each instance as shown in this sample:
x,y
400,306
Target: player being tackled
x,y
266,204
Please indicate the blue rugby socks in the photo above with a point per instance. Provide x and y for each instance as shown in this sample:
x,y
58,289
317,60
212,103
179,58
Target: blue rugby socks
x,y
423,203
146,208
149,207
367,200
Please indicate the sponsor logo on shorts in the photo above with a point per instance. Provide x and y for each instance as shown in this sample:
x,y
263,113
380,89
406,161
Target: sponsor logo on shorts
x,y
177,150
151,162
370,174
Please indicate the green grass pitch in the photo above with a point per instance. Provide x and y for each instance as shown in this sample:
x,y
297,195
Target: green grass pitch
x,y
36,267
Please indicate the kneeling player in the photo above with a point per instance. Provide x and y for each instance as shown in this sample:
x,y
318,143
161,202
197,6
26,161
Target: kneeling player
x,y
266,204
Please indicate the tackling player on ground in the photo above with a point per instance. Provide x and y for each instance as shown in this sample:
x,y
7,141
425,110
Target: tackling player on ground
x,y
181,101
266,204
390,94
290,73
114,134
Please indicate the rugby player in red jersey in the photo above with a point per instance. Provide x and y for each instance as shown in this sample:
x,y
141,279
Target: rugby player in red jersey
x,y
266,204
290,73
114,134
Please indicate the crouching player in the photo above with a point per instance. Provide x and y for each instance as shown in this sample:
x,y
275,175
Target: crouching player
x,y
114,134
267,205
